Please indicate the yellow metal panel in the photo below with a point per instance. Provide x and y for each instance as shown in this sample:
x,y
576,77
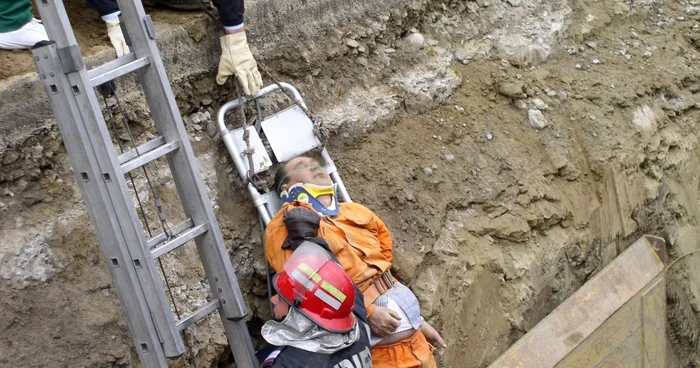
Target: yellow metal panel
x,y
625,324
654,324
607,310
627,354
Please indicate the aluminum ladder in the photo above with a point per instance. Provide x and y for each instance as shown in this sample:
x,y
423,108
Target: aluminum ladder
x,y
100,172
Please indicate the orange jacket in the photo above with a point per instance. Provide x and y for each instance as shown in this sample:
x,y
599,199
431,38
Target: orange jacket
x,y
359,239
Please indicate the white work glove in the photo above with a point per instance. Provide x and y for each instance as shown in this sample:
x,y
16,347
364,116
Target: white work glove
x,y
114,31
236,58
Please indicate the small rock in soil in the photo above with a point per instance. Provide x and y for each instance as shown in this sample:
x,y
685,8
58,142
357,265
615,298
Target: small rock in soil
x,y
427,171
539,104
362,61
10,157
211,130
562,96
410,197
449,157
537,119
512,89
415,39
520,104
352,43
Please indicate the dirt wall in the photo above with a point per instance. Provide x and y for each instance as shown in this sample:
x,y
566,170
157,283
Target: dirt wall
x,y
514,148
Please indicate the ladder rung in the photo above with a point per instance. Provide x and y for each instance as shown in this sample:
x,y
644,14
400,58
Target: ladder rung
x,y
147,156
198,315
117,68
153,143
180,240
177,229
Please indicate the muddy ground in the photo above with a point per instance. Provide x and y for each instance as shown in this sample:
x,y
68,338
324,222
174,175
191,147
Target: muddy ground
x,y
497,215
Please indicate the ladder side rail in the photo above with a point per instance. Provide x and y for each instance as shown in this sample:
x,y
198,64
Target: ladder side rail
x,y
73,124
118,200
189,183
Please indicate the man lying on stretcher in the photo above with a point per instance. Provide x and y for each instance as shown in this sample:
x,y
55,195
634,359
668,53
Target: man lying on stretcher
x,y
363,245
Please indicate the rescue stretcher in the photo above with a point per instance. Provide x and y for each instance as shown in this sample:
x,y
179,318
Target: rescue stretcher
x,y
273,139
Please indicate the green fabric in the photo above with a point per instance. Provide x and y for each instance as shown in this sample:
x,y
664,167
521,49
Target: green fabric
x,y
14,14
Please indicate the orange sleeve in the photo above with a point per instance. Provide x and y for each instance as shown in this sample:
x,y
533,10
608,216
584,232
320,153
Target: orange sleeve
x,y
371,310
275,235
385,242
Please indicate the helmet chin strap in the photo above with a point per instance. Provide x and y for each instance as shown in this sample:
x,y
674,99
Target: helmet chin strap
x,y
309,193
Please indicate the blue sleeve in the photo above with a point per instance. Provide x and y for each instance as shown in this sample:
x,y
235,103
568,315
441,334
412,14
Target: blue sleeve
x,y
103,7
231,11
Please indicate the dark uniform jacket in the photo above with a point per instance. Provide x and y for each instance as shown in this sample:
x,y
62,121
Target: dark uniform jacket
x,y
231,11
357,355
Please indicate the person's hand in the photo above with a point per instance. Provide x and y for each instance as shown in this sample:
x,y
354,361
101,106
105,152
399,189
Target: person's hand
x,y
237,59
116,37
384,321
433,337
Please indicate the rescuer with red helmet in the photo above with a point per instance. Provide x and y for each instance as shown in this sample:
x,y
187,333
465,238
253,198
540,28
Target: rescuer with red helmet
x,y
319,314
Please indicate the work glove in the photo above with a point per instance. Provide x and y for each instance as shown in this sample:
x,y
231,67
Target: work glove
x,y
302,224
236,58
114,31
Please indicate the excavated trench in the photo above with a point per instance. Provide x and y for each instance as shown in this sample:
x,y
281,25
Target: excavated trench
x,y
513,148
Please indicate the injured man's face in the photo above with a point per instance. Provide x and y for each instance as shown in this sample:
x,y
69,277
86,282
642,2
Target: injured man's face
x,y
305,170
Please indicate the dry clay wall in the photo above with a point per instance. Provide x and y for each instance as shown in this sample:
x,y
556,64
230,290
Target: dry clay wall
x,y
514,149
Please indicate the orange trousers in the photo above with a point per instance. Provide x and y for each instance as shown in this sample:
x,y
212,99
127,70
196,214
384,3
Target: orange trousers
x,y
411,352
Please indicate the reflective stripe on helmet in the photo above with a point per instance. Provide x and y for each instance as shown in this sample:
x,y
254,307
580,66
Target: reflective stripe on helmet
x,y
309,272
333,291
296,275
328,299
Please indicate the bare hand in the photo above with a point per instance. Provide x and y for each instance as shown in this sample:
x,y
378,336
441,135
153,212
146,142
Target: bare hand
x,y
433,337
384,321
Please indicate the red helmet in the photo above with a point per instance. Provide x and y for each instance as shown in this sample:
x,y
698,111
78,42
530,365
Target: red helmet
x,y
318,288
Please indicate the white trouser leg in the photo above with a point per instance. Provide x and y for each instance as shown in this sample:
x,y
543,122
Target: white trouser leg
x,y
25,37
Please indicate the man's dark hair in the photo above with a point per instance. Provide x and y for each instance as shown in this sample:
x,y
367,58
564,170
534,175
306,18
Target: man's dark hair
x,y
280,176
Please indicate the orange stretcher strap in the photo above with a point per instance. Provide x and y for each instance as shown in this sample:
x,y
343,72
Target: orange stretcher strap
x,y
379,286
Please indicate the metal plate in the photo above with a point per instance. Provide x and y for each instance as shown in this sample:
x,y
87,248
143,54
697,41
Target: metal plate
x,y
273,203
290,133
261,160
